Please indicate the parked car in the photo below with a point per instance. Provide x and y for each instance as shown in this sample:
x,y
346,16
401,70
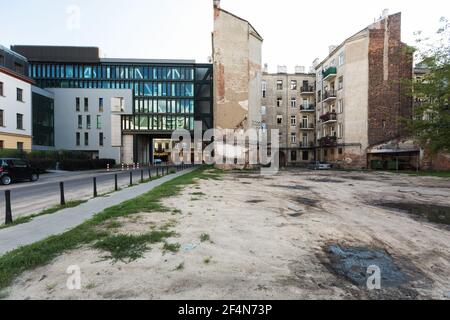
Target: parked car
x,y
319,165
157,161
12,170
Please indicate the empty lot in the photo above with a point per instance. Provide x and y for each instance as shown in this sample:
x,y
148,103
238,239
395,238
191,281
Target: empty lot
x,y
296,235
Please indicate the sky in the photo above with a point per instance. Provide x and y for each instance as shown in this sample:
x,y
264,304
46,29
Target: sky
x,y
295,32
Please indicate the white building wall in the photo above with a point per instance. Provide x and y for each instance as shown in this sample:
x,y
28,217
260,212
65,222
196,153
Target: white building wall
x,y
66,120
11,107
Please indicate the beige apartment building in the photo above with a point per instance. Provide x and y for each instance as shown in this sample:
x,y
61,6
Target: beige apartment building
x,y
288,104
360,100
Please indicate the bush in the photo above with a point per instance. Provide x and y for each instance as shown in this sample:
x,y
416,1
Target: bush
x,y
91,164
42,165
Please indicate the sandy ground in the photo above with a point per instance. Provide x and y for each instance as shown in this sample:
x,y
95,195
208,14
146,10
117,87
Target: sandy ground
x,y
269,240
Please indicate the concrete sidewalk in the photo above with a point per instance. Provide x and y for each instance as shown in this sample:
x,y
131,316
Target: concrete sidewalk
x,y
43,227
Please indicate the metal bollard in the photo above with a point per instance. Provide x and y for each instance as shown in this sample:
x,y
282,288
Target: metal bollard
x,y
116,185
131,178
150,174
142,176
61,190
95,187
8,213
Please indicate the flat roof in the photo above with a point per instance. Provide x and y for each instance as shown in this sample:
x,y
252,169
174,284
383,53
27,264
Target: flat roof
x,y
147,61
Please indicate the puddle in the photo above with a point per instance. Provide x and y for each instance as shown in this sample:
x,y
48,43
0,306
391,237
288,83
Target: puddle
x,y
255,201
306,201
353,264
433,213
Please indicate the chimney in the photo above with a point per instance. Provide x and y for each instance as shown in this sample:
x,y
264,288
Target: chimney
x,y
315,63
331,49
385,13
266,68
282,69
299,69
216,4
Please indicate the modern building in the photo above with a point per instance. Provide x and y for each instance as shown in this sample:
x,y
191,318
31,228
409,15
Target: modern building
x,y
15,102
360,99
165,95
288,104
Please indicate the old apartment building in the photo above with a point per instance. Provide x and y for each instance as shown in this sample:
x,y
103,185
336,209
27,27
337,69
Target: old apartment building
x,y
288,104
360,101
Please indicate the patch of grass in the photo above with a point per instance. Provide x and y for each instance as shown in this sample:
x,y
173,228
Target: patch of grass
x,y
52,210
128,248
205,238
29,257
114,225
90,286
171,247
180,267
172,170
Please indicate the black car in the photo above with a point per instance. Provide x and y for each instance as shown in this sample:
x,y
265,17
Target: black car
x,y
16,170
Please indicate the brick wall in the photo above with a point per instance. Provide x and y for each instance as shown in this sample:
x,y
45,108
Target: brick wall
x,y
389,63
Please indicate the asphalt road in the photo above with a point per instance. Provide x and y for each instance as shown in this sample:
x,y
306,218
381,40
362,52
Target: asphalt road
x,y
28,198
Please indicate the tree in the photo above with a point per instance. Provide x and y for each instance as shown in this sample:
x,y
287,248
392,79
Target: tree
x,y
430,123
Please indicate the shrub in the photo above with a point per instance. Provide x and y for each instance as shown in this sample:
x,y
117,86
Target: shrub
x,y
42,165
80,165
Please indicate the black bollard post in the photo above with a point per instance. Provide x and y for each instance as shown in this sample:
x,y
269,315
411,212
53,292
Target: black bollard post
x,y
142,176
8,213
116,185
95,187
131,178
157,172
61,190
150,174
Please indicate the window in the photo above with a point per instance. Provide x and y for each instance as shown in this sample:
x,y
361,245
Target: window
x,y
18,68
305,139
2,123
279,119
293,137
80,122
100,139
294,155
86,104
341,83
341,59
293,120
305,155
293,102
1,89
77,104
2,144
340,151
88,122
19,121
305,122
99,122
19,146
264,89
340,132
100,105
293,84
279,102
263,110
340,106
279,84
78,139
19,94
86,138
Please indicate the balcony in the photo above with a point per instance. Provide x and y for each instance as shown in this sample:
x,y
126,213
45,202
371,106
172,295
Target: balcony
x,y
306,126
307,145
329,117
329,96
329,74
328,141
308,108
307,90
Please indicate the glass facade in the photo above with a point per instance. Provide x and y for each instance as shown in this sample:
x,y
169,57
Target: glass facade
x,y
43,121
165,96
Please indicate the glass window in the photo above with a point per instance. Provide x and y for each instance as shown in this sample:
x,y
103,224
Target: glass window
x,y
19,118
87,72
80,122
88,122
99,122
86,138
101,139
162,106
69,72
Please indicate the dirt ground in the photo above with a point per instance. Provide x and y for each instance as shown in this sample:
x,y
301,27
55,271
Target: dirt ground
x,y
270,238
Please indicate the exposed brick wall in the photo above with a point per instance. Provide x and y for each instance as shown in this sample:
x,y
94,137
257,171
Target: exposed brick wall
x,y
387,99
